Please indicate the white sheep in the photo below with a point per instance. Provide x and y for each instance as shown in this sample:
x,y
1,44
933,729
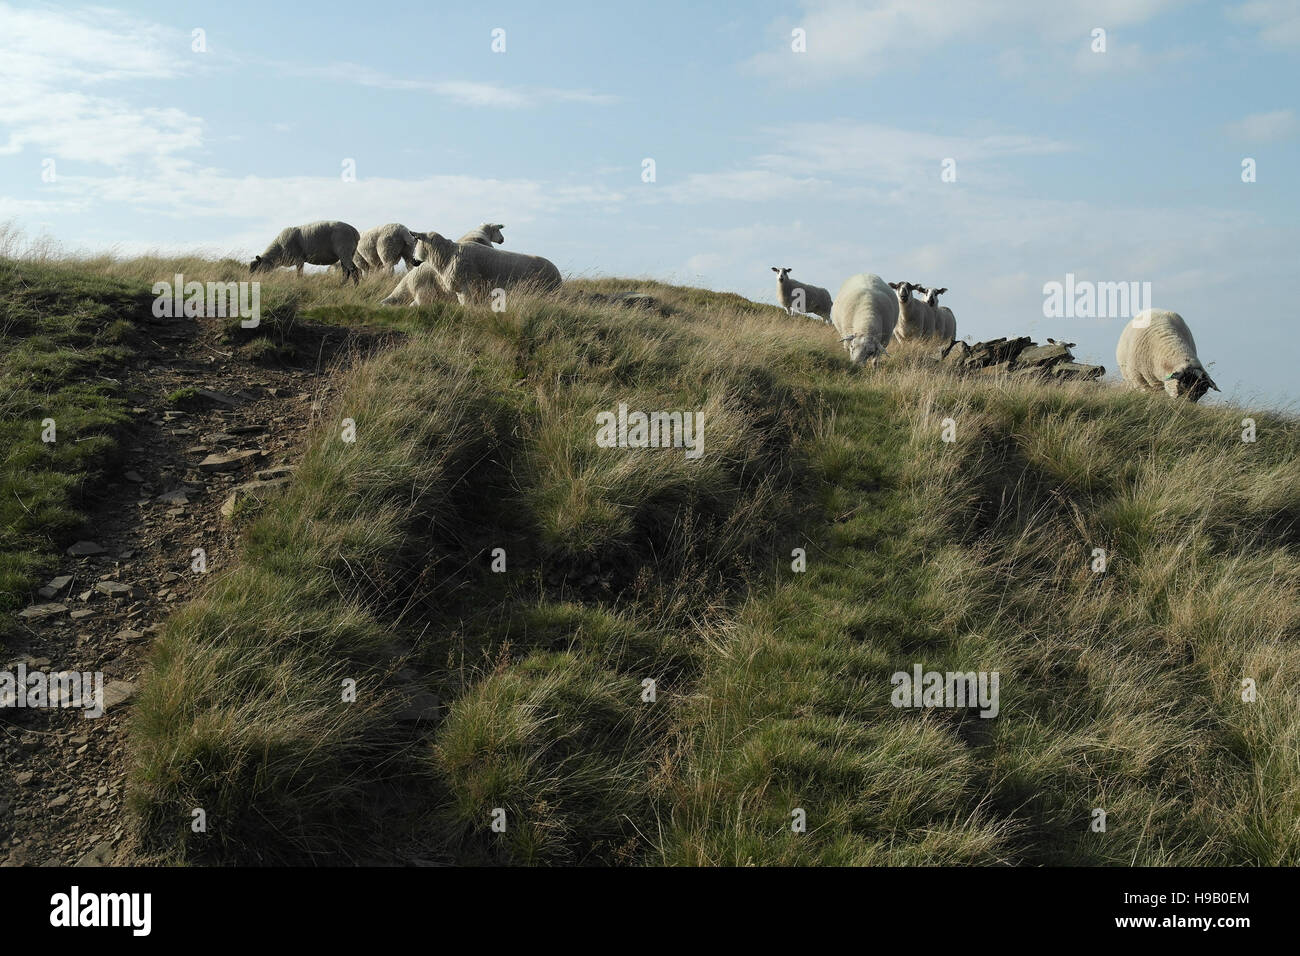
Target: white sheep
x,y
485,234
916,319
796,296
1156,350
383,247
947,322
319,243
470,271
865,313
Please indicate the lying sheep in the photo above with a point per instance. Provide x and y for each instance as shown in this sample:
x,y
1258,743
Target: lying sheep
x,y
865,313
471,271
320,243
1156,350
946,327
916,320
383,247
796,296
485,234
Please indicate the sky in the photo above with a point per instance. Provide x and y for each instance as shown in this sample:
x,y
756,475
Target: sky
x,y
989,147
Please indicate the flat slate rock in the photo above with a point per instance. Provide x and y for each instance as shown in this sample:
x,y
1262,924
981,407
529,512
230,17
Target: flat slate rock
x,y
228,461
38,612
118,692
115,589
101,855
220,398
55,587
84,549
1042,355
254,490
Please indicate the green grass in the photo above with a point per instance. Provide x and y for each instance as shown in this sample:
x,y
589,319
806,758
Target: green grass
x,y
635,569
63,335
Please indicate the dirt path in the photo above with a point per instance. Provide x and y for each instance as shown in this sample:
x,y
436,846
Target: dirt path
x,y
63,779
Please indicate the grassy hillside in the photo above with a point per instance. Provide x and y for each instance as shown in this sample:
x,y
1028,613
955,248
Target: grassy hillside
x,y
1121,690
62,334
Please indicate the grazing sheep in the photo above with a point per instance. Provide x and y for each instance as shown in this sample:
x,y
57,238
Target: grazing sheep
x,y
916,320
421,286
320,243
470,271
485,234
816,300
946,328
383,247
1156,350
865,313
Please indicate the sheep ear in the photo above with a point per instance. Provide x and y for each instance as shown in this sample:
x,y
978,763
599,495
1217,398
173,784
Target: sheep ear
x,y
893,285
775,269
942,291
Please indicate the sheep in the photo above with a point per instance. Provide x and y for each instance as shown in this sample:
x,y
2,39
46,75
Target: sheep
x,y
470,271
916,320
320,243
384,246
485,234
1156,350
947,322
865,313
814,300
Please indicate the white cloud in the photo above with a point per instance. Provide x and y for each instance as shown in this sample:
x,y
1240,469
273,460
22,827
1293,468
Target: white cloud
x,y
465,92
741,185
874,152
1278,21
1265,127
865,37
48,61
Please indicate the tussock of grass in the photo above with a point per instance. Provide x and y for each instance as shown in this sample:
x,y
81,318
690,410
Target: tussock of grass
x,y
242,712
60,336
467,438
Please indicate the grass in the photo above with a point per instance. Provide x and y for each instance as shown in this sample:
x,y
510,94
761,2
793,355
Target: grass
x,y
650,680
61,335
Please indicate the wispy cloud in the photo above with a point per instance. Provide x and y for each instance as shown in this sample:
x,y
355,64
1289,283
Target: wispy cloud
x,y
1277,21
1265,127
50,59
739,185
866,37
889,154
465,92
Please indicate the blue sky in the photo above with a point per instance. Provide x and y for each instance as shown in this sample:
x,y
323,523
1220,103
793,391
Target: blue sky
x,y
1115,166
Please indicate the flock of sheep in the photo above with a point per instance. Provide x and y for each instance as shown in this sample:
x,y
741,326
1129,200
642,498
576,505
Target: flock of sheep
x,y
1156,350
437,268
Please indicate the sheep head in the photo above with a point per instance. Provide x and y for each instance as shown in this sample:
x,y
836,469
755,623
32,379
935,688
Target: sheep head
x,y
494,232
1190,381
434,248
862,348
258,265
903,290
932,296
781,274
